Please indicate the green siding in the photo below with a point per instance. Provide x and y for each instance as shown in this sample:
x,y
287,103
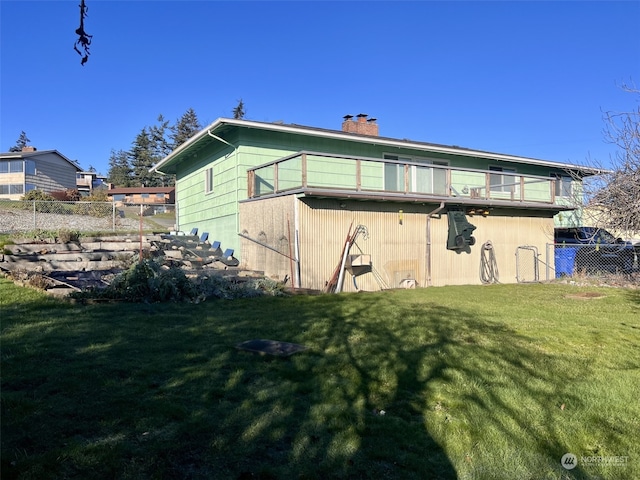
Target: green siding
x,y
217,211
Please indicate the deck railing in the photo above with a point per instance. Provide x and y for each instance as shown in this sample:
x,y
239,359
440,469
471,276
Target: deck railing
x,y
311,170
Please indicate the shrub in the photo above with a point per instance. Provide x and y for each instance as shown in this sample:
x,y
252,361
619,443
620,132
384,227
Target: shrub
x,y
150,281
146,281
73,195
68,195
38,195
66,236
38,281
99,195
59,195
95,209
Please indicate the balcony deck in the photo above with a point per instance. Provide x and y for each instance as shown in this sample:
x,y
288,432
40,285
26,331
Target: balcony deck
x,y
322,174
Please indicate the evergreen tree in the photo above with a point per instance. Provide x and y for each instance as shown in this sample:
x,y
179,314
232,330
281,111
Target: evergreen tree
x,y
21,142
119,169
185,128
238,112
158,135
142,158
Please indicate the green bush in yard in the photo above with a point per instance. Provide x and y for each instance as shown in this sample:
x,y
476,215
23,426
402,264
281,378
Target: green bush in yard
x,y
150,281
94,209
39,195
145,281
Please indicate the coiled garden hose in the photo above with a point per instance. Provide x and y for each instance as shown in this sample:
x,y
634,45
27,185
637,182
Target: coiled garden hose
x,y
488,265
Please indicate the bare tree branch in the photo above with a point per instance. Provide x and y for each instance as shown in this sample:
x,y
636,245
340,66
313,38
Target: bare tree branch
x,y
84,39
612,199
619,197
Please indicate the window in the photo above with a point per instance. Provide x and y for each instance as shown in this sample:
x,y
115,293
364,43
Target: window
x,y
16,166
502,183
160,195
394,176
4,189
118,197
12,166
208,180
563,185
29,186
16,189
30,167
144,195
422,179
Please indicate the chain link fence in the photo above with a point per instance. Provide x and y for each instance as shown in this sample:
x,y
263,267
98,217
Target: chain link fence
x,y
527,264
569,260
577,260
31,215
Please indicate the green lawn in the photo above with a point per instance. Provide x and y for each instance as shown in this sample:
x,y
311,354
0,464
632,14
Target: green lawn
x,y
491,382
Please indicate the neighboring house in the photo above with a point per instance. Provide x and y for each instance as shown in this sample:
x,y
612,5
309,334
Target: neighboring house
x,y
284,197
87,182
142,195
30,169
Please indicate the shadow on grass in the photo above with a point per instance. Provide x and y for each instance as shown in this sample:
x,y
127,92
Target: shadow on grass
x,y
633,294
390,388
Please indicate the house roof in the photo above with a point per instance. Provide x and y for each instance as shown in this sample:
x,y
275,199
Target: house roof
x,y
36,153
134,190
210,134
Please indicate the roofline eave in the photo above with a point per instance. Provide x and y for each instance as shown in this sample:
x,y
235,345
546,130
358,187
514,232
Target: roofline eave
x,y
385,141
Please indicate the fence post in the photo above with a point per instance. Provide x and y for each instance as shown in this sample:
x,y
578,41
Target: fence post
x,y
35,225
113,216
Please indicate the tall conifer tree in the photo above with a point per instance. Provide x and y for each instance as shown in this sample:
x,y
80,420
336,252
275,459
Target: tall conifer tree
x,y
186,127
119,169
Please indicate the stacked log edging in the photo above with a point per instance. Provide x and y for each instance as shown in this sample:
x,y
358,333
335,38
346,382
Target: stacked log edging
x,y
92,261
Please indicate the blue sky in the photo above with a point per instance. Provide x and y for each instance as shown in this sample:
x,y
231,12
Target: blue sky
x,y
517,77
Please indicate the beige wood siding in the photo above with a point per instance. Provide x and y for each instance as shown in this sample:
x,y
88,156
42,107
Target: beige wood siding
x,y
396,240
271,222
397,244
505,233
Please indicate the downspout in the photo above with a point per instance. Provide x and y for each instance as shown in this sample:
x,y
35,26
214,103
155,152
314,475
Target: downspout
x,y
235,155
296,227
428,253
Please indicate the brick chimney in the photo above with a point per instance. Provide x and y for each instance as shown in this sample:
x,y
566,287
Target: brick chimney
x,y
362,125
29,149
